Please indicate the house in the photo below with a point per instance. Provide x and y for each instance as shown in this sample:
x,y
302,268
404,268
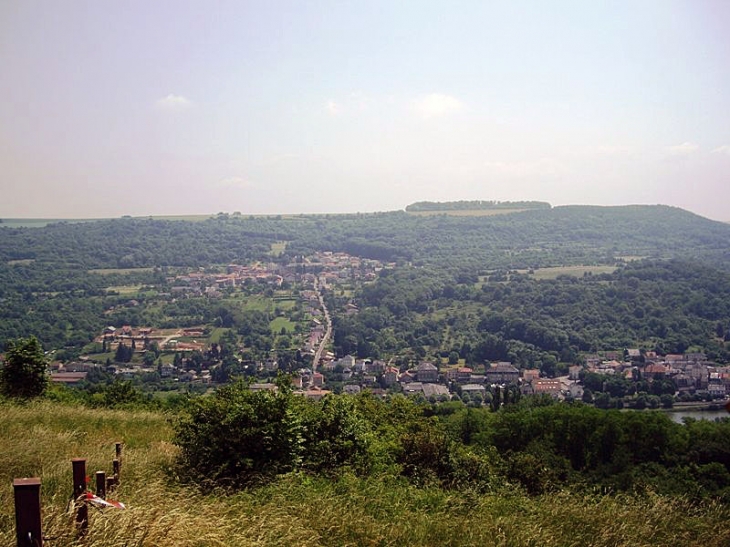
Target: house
x,y
407,377
427,372
434,390
473,388
547,386
463,375
502,373
716,389
351,389
574,372
317,379
70,378
374,367
348,361
575,390
390,376
412,388
530,374
654,371
315,393
262,387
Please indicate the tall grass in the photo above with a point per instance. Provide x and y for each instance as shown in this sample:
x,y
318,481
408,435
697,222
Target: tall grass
x,y
40,439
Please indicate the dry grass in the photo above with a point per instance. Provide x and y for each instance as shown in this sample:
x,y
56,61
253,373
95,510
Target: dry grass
x,y
40,439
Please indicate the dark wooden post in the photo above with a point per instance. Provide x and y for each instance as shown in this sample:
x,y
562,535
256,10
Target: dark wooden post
x,y
28,512
116,466
82,510
101,484
118,472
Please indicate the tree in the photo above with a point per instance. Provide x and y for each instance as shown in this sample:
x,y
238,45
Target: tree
x,y
24,373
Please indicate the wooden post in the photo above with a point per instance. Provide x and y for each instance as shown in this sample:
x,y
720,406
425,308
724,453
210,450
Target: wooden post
x,y
28,512
116,466
82,510
101,484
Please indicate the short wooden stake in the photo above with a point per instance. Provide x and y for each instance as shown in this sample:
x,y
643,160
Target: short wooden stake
x,y
117,468
101,484
82,510
28,512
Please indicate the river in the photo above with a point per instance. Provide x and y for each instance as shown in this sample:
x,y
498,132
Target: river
x,y
679,415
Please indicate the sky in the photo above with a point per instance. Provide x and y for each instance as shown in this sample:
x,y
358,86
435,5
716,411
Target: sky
x,y
151,107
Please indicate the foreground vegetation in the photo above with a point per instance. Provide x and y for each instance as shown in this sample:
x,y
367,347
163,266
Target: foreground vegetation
x,y
302,508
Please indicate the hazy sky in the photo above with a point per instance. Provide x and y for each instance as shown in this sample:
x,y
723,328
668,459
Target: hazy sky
x,y
111,108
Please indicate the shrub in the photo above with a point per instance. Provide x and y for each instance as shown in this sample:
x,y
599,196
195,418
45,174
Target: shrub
x,y
239,437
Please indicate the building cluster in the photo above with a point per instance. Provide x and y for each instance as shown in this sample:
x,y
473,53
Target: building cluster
x,y
691,372
328,267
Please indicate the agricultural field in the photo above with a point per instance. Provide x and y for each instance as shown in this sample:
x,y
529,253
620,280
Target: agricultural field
x,y
41,222
467,212
575,271
277,248
124,290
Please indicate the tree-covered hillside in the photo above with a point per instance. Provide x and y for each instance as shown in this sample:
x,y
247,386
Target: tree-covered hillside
x,y
536,238
663,306
48,286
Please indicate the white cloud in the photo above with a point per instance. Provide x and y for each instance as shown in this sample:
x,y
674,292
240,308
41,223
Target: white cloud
x,y
234,182
360,100
525,169
437,104
173,102
724,149
684,149
612,150
334,109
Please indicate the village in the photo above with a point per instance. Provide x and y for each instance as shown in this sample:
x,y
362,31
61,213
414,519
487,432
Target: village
x,y
188,355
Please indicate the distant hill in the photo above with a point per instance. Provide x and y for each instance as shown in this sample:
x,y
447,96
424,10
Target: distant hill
x,y
541,237
474,205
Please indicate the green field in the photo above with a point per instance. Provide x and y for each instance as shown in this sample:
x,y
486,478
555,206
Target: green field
x,y
282,322
124,289
277,248
216,333
575,271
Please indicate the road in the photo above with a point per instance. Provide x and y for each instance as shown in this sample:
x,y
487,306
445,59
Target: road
x,y
328,332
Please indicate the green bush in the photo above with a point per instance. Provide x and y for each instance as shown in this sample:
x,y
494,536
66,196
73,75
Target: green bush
x,y
239,437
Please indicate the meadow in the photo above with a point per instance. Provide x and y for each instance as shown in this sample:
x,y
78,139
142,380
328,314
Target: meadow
x,y
39,439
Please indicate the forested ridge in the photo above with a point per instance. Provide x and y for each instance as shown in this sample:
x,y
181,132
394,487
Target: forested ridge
x,y
536,238
461,284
